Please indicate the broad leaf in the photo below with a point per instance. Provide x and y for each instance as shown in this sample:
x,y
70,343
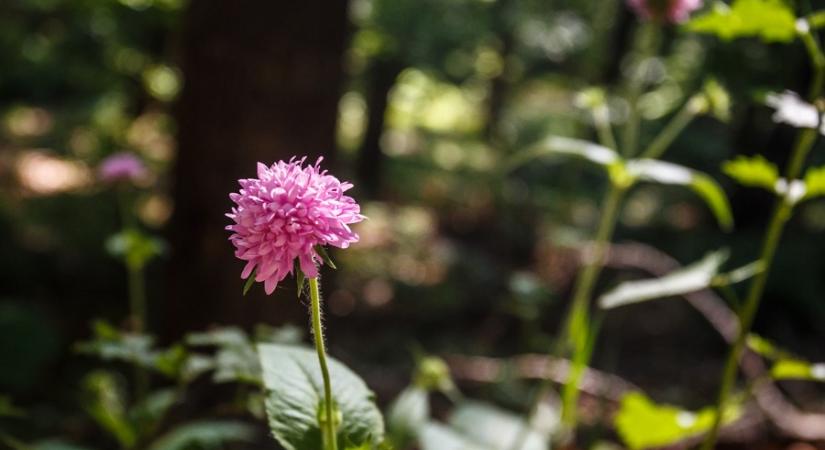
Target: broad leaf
x,y
407,416
692,278
499,429
797,369
204,435
563,146
294,390
641,423
478,426
668,173
753,171
134,247
815,182
770,20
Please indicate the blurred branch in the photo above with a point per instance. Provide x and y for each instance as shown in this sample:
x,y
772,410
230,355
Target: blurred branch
x,y
537,366
787,418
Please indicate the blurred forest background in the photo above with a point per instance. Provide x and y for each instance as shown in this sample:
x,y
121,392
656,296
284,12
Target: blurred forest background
x,y
419,103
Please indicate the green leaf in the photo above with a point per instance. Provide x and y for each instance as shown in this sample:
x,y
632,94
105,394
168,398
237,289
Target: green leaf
x,y
770,20
300,280
641,423
322,252
753,171
7,408
797,369
815,182
407,415
134,247
479,426
563,146
105,401
692,278
294,392
250,280
204,435
668,173
147,415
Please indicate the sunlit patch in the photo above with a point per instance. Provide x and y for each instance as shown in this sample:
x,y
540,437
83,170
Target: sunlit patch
x,y
42,174
149,133
28,122
378,292
162,82
155,210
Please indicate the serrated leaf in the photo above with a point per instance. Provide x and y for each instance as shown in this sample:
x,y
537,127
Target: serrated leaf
x,y
407,416
668,173
147,414
294,391
641,423
795,369
769,20
692,278
815,182
204,435
754,171
563,146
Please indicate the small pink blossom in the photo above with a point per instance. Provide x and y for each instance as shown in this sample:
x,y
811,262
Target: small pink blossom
x,y
122,166
673,11
284,213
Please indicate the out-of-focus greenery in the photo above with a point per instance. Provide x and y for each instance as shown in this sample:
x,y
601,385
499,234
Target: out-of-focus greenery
x,y
455,258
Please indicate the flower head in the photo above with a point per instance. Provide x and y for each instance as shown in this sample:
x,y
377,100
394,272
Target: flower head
x,y
793,110
122,166
673,11
284,214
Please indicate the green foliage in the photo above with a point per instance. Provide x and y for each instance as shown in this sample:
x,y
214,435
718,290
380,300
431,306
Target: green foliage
x,y
134,247
407,416
212,434
815,182
479,426
770,20
753,171
796,369
694,277
786,366
294,393
706,187
111,344
7,408
105,401
641,423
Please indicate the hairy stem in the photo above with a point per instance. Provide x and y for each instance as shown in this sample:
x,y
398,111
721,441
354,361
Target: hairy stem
x,y
328,424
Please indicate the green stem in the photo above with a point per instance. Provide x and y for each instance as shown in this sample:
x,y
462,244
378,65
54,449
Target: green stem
x,y
782,212
647,45
328,424
601,118
577,322
673,128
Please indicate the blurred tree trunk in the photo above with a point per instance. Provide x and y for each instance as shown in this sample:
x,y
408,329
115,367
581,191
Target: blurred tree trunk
x,y
381,78
262,83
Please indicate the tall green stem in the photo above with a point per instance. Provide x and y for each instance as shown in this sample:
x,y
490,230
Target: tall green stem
x,y
578,334
647,43
782,212
676,125
328,422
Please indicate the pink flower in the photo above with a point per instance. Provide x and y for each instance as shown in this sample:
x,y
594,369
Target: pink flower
x,y
674,11
284,213
123,166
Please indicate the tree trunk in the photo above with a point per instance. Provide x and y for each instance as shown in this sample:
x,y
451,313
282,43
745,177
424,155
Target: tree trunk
x,y
262,83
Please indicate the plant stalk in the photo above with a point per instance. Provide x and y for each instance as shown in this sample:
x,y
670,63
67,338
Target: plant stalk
x,y
328,431
781,215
